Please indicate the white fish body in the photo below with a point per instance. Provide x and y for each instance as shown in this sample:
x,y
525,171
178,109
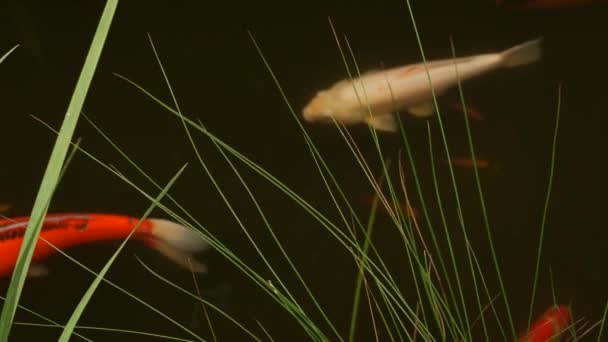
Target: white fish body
x,y
407,87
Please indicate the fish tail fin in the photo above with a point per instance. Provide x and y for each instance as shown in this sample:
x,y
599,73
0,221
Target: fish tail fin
x,y
178,243
523,54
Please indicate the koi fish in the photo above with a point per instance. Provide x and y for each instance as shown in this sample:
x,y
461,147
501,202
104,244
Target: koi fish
x,y
468,163
472,112
173,240
407,87
547,4
548,326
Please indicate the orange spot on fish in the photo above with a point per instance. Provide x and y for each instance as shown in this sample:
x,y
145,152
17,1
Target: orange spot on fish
x,y
409,70
549,325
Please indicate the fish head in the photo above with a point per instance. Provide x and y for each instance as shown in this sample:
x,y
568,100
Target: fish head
x,y
329,107
319,109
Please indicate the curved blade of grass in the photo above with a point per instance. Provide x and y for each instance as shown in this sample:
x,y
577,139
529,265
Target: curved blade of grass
x,y
129,294
207,170
205,313
69,327
51,323
216,244
484,214
411,250
8,53
217,309
599,335
332,229
546,206
409,247
53,170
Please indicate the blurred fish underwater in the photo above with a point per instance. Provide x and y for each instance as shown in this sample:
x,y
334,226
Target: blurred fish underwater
x,y
66,230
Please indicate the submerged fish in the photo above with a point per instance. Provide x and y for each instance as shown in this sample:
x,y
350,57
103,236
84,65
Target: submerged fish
x,y
548,326
173,240
468,163
407,87
472,112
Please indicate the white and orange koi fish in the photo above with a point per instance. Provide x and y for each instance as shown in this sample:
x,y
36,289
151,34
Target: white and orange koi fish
x,y
62,231
375,96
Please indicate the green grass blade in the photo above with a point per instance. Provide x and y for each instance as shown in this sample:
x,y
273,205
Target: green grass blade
x,y
208,172
484,213
599,335
50,323
8,53
69,327
53,170
546,206
214,307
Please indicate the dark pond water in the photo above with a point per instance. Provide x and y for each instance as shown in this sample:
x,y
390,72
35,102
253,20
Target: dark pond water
x,y
219,77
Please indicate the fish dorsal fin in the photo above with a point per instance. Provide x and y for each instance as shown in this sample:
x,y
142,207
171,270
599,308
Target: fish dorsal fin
x,y
423,110
383,122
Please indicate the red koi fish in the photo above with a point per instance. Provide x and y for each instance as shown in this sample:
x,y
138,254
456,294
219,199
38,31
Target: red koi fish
x,y
472,112
547,4
173,240
550,324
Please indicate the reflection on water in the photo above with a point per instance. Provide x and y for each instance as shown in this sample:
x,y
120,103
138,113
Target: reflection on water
x,y
219,78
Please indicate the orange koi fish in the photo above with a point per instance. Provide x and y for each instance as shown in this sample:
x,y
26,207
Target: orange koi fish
x,y
550,324
472,112
547,4
173,240
468,163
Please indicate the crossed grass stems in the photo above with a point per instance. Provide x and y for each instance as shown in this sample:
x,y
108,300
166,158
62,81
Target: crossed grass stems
x,y
441,306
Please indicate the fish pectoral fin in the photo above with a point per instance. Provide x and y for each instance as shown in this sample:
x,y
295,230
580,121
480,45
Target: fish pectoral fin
x,y
423,110
37,270
181,258
383,122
